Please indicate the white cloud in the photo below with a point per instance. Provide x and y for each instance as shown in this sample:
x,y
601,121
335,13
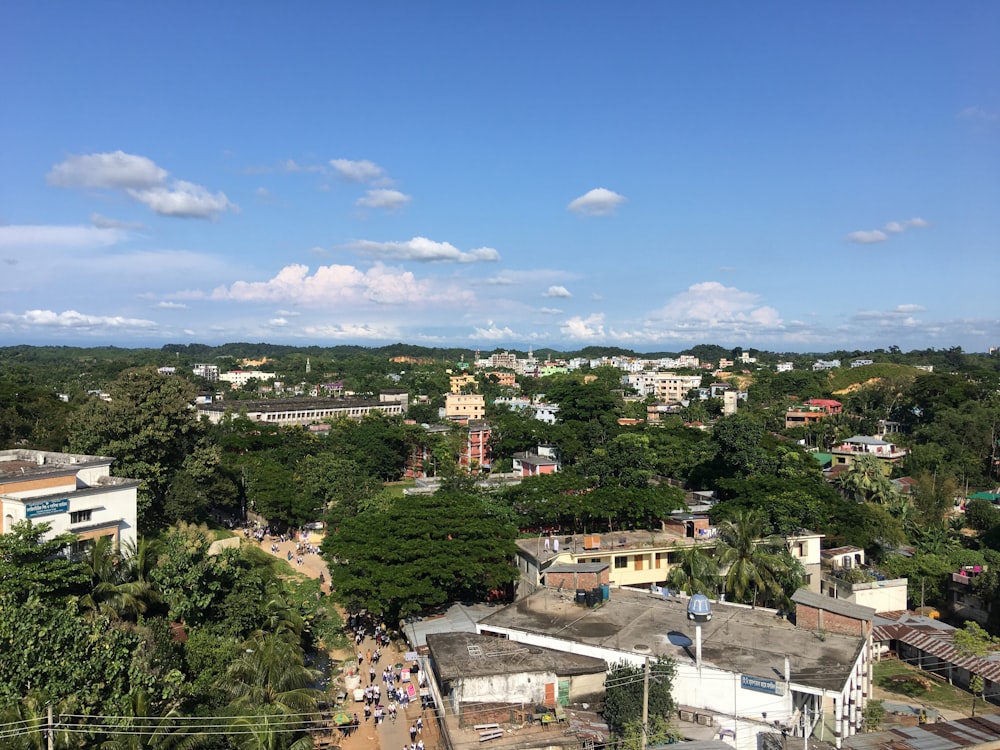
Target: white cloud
x,y
109,170
383,198
870,236
358,171
354,331
492,332
911,308
171,306
978,113
336,285
184,200
141,179
867,237
35,235
424,250
550,311
712,305
288,165
557,291
277,322
288,313
105,222
579,327
897,227
74,319
512,277
597,202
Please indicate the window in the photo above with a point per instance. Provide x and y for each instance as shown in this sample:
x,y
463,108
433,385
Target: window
x,y
621,561
79,516
639,560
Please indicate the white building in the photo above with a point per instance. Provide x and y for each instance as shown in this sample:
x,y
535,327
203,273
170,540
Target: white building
x,y
74,492
745,670
302,411
239,378
209,372
666,387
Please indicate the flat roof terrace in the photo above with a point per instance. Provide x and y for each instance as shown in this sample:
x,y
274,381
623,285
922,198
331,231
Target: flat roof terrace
x,y
737,639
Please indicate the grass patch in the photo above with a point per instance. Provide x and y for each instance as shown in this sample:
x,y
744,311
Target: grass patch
x,y
939,695
395,489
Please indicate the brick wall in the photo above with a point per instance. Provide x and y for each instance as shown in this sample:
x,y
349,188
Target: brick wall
x,y
578,580
811,618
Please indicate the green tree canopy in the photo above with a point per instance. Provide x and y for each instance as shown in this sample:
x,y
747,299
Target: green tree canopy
x,y
148,426
423,552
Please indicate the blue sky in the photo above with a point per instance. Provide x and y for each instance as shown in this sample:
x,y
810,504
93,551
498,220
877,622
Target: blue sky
x,y
654,175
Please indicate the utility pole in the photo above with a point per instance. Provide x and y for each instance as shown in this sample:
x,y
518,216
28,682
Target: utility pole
x,y
51,730
645,702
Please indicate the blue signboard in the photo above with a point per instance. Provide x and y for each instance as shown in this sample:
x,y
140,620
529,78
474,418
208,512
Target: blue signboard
x,y
46,508
761,685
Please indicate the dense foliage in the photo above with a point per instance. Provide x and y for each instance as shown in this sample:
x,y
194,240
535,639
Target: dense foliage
x,y
100,634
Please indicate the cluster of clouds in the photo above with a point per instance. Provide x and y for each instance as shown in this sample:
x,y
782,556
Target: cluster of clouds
x,y
142,180
871,236
380,193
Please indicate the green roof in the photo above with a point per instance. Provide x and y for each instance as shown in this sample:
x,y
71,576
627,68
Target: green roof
x,y
993,497
823,458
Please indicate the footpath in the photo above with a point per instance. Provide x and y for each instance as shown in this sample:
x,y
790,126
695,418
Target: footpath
x,y
388,735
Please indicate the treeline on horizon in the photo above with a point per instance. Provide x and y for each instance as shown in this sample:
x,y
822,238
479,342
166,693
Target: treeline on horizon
x,y
952,357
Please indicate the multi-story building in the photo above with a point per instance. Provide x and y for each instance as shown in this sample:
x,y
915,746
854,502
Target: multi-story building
x,y
475,455
73,492
863,445
826,364
814,410
666,387
670,388
738,672
784,367
209,372
845,576
457,382
304,411
503,378
239,378
644,558
464,406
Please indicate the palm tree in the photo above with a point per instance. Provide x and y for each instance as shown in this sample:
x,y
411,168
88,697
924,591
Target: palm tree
x,y
270,692
756,567
696,573
142,730
865,481
119,588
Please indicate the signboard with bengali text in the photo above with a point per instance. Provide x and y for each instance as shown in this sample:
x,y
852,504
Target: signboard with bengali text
x,y
46,508
761,685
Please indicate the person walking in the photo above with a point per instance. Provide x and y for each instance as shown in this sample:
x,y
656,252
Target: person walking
x,y
413,733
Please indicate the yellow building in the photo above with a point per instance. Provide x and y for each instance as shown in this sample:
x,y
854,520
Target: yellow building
x,y
464,405
457,382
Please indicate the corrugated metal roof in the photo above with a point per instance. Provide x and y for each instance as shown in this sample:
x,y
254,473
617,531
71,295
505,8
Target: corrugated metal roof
x,y
939,643
948,735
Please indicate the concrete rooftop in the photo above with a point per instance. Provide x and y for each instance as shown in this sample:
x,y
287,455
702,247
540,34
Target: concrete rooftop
x,y
737,639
